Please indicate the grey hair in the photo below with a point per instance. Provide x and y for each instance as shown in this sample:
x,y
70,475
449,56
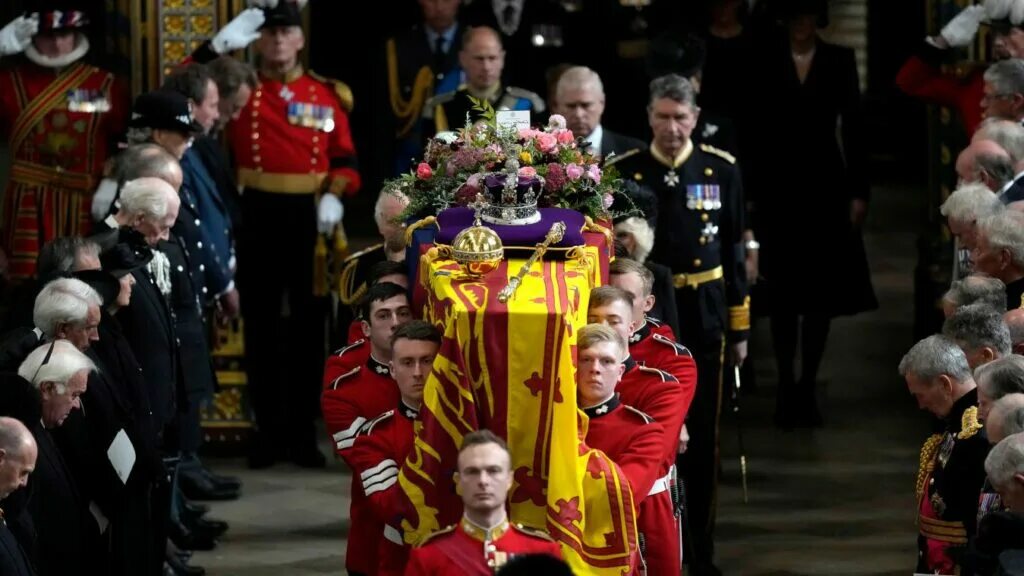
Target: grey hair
x,y
145,160
1015,322
1005,417
1005,460
1006,77
673,87
14,436
997,166
1001,376
1014,421
579,77
935,356
977,326
977,289
63,301
1007,134
62,255
146,196
378,207
971,203
1005,229
65,361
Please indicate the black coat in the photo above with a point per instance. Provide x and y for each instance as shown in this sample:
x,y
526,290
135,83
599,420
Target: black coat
x,y
195,367
619,143
801,167
664,296
213,156
17,345
13,560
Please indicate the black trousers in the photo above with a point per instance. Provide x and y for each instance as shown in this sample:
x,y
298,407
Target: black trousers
x,y
284,356
701,330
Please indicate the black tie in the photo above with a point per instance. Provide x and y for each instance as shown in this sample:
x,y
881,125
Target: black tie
x,y
439,55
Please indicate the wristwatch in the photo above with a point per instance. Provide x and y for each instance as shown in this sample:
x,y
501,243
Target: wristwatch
x,y
753,245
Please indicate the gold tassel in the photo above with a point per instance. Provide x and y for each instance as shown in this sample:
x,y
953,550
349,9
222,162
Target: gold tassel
x,y
320,287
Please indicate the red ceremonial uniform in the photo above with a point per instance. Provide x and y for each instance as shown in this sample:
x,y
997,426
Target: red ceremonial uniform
x,y
378,454
293,135
468,550
357,388
652,345
659,395
59,124
922,77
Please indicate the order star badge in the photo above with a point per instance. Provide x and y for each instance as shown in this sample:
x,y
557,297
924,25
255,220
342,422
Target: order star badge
x,y
602,410
285,93
672,179
381,369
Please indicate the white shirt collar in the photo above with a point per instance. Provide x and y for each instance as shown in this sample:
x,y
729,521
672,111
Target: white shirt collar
x,y
112,222
595,139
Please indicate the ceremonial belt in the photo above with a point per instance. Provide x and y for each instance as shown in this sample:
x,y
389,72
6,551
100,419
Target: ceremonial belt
x,y
663,484
47,100
941,530
33,174
281,183
697,278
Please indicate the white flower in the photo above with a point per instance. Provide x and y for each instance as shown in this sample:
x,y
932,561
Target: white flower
x,y
556,122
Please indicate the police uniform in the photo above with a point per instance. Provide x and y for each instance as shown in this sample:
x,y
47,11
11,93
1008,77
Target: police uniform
x,y
634,441
356,389
659,395
60,123
699,236
352,285
449,111
379,451
417,71
291,144
469,550
950,478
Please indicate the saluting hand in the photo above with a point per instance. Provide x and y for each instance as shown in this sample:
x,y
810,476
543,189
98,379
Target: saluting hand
x,y
17,35
243,30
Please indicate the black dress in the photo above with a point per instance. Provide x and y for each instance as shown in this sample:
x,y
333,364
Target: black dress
x,y
813,264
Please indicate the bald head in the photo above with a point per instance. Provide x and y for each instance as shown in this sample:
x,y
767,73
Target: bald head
x,y
985,162
1015,322
1002,418
18,453
482,58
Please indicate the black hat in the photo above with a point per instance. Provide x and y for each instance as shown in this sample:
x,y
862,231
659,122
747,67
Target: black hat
x,y
286,13
643,199
788,9
670,53
124,257
164,110
60,15
102,282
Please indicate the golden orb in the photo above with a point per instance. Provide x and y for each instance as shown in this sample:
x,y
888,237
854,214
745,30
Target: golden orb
x,y
478,250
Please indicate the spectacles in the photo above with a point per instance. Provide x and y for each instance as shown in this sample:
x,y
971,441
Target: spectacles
x,y
46,359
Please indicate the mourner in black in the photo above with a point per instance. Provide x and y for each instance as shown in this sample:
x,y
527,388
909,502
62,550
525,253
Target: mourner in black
x,y
18,453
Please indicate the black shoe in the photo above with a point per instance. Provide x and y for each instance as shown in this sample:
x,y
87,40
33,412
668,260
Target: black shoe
x,y
181,567
208,527
309,458
227,482
197,487
187,540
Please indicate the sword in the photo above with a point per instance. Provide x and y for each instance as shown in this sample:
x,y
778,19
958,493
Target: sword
x,y
739,430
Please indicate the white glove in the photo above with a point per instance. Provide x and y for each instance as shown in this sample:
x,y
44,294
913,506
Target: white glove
x,y
960,31
240,32
997,9
17,35
103,198
329,213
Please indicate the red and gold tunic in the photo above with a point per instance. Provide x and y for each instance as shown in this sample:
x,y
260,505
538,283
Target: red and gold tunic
x,y
293,136
468,550
59,126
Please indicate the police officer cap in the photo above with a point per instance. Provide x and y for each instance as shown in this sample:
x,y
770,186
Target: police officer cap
x,y
673,53
164,110
61,15
281,12
789,9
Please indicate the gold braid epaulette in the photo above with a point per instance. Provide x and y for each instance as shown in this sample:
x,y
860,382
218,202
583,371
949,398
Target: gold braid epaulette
x,y
928,450
969,424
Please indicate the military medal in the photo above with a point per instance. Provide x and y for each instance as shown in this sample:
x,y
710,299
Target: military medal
x,y
710,232
87,101
692,196
716,196
286,94
671,178
946,450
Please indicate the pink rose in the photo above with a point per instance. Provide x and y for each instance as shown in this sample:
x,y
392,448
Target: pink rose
x,y
594,173
423,171
574,171
528,171
546,143
564,136
607,200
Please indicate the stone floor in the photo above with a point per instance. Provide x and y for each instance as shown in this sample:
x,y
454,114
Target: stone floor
x,y
832,501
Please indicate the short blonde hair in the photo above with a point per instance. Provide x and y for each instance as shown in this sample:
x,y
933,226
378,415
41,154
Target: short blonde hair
x,y
593,334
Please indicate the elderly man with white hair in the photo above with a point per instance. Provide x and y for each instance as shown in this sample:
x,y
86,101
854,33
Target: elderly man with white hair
x,y
579,97
1005,468
58,372
999,252
1005,417
1008,135
974,289
964,208
951,475
65,308
980,332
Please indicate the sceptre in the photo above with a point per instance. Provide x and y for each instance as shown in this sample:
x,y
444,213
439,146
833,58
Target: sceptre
x,y
554,236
